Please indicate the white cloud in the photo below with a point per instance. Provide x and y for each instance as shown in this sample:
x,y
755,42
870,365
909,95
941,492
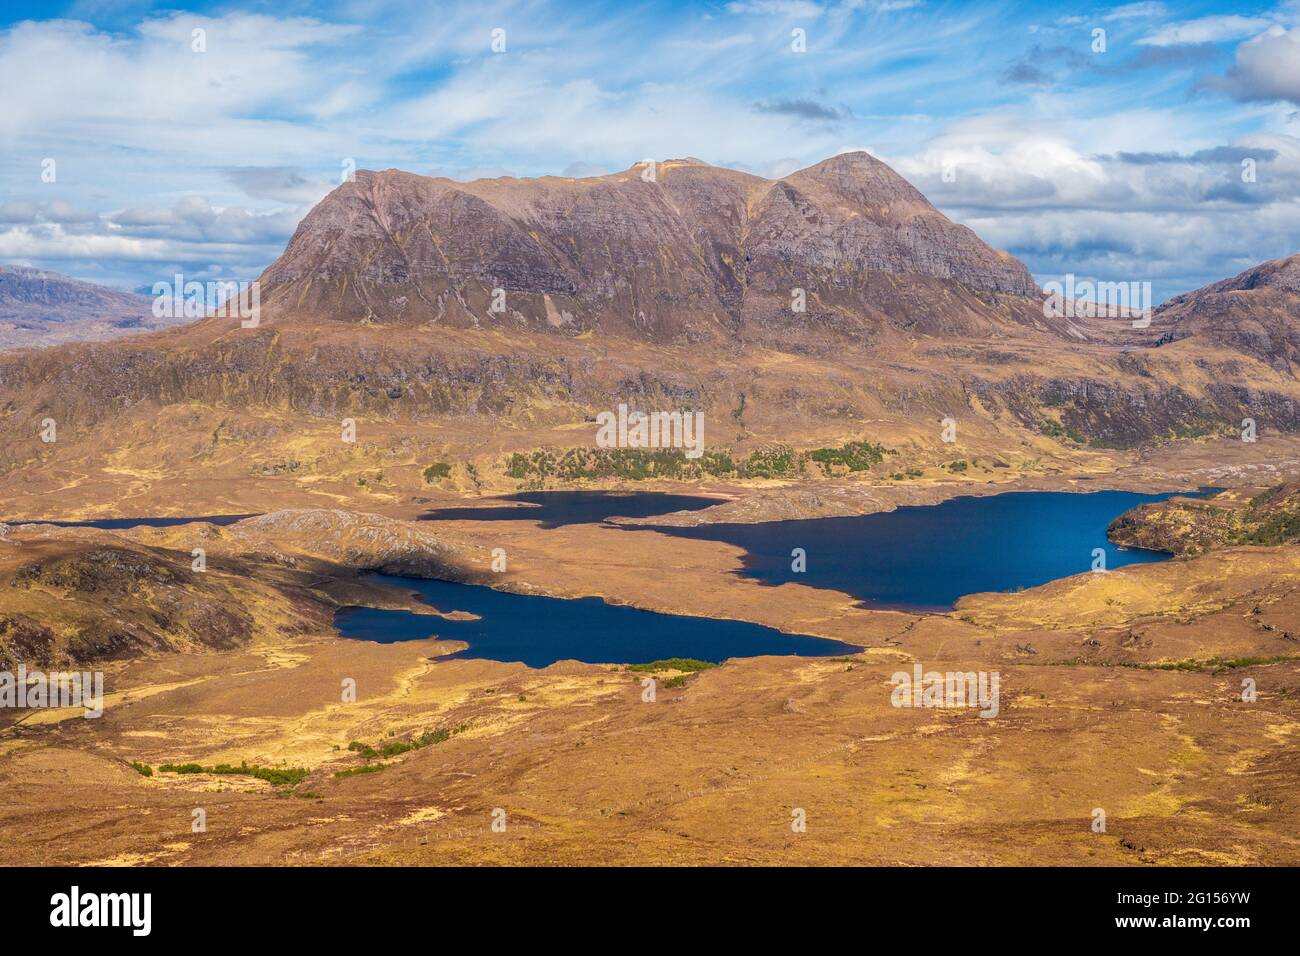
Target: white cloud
x,y
1135,11
581,170
1268,67
804,9
279,183
1214,29
1181,217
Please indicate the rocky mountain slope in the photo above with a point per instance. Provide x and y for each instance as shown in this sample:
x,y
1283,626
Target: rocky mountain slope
x,y
1256,312
674,293
39,308
698,254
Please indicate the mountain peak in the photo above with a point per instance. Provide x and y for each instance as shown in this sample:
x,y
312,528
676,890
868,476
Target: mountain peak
x,y
849,159
697,252
1256,311
1281,274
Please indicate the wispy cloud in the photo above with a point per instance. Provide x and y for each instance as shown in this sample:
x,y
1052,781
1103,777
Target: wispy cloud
x,y
1136,11
1214,29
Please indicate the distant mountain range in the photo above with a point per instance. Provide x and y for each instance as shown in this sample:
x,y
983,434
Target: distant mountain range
x,y
39,308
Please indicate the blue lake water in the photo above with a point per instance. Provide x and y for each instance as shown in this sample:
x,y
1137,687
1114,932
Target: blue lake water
x,y
913,558
542,630
118,524
553,509
925,557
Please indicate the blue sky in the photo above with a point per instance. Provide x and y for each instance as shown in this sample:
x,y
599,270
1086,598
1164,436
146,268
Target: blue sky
x,y
1122,163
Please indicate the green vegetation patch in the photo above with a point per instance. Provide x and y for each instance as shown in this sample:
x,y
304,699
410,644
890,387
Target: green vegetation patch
x,y
439,469
364,768
1214,664
143,769
643,464
1059,430
629,464
855,456
778,462
396,748
279,776
1277,528
688,664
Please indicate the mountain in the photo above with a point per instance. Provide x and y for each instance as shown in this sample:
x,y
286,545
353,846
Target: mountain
x,y
39,308
674,293
699,254
1256,312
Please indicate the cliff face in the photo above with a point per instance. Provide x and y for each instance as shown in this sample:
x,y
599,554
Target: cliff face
x,y
699,253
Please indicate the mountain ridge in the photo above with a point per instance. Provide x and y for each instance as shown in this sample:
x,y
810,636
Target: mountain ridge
x,y
378,311
699,253
1256,312
40,308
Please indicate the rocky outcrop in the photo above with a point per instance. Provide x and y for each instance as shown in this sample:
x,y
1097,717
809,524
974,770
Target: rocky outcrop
x,y
1194,526
79,597
356,542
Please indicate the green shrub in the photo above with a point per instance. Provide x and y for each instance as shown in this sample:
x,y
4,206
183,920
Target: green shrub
x,y
396,748
778,462
855,456
439,469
